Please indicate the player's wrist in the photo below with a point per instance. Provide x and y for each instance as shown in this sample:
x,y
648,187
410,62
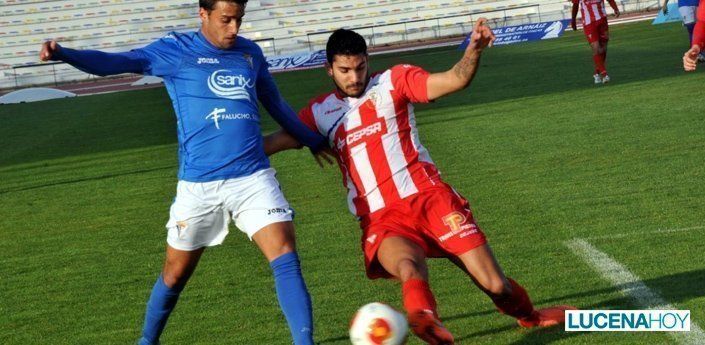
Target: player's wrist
x,y
473,52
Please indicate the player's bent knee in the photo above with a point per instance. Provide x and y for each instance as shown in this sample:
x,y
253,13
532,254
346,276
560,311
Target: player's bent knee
x,y
410,269
172,280
275,253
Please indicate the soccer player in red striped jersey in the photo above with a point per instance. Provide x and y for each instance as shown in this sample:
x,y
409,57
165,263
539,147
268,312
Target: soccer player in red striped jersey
x,y
690,59
406,212
596,31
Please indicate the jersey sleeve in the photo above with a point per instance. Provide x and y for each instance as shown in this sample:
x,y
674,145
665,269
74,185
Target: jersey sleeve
x,y
306,116
411,82
162,57
101,63
268,94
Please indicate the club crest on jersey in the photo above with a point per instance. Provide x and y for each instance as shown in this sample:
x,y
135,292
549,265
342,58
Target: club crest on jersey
x,y
248,57
225,84
373,95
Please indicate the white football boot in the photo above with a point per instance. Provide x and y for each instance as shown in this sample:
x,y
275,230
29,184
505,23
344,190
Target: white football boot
x,y
598,78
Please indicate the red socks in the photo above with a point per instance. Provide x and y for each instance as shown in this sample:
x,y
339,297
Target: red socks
x,y
517,305
417,296
599,60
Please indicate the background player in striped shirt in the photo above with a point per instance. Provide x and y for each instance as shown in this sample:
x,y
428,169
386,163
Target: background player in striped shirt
x,y
690,59
406,211
596,30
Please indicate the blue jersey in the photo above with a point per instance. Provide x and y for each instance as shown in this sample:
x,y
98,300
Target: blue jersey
x,y
683,3
214,93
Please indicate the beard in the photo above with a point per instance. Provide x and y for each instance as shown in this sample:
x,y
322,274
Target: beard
x,y
353,90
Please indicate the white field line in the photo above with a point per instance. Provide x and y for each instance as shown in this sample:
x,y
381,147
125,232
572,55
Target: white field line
x,y
632,286
652,232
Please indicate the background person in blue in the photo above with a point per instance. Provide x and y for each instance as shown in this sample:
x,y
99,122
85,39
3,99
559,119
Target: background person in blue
x,y
687,10
214,79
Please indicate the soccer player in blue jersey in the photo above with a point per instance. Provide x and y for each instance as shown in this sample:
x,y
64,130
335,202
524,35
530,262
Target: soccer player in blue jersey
x,y
214,79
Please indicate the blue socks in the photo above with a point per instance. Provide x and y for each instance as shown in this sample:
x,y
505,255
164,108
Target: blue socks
x,y
293,296
294,299
690,28
160,304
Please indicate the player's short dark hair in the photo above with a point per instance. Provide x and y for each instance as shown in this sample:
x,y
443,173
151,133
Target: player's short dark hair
x,y
345,42
208,5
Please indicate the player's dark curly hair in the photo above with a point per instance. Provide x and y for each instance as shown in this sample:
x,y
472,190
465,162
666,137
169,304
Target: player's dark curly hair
x,y
208,5
345,42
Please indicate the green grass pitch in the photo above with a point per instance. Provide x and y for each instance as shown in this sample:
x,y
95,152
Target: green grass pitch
x,y
543,156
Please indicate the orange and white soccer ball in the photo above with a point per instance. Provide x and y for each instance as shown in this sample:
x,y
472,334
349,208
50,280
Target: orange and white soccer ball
x,y
378,324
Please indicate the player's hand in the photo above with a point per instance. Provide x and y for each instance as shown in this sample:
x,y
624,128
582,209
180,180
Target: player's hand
x,y
690,58
574,25
48,50
481,37
665,9
325,154
617,13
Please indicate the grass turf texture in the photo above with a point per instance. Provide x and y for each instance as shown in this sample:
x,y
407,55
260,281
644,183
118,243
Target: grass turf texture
x,y
543,156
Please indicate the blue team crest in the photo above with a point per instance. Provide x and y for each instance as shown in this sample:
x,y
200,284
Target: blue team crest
x,y
248,57
224,83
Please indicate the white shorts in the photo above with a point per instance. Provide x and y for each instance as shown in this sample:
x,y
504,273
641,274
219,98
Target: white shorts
x,y
688,14
201,211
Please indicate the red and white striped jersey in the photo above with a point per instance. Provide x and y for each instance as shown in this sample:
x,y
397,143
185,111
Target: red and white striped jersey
x,y
376,140
591,10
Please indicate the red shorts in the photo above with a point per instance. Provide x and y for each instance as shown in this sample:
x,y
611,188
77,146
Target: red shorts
x,y
438,219
597,31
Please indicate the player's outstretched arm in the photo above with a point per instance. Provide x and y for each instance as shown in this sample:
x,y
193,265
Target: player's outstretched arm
x,y
615,8
93,61
281,140
664,7
461,75
281,112
574,16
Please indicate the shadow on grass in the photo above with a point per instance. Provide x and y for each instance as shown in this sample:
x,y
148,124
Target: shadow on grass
x,y
674,288
79,180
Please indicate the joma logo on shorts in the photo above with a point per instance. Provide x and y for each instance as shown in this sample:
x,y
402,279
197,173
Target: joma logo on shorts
x,y
276,211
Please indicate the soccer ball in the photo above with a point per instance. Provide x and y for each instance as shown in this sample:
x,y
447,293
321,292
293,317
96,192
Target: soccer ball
x,y
378,324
